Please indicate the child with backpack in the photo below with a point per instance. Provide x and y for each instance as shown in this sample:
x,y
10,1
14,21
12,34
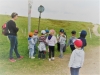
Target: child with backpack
x,y
31,43
51,41
62,42
82,37
42,45
77,58
71,40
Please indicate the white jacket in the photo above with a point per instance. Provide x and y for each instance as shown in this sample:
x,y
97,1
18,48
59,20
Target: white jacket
x,y
77,58
52,41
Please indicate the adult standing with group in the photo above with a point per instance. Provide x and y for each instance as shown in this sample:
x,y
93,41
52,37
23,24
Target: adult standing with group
x,y
12,35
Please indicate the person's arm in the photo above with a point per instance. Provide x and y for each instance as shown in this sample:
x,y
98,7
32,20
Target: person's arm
x,y
85,43
47,40
55,40
71,59
82,60
68,43
32,41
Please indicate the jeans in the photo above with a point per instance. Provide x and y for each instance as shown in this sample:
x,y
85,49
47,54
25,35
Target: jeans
x,y
61,49
74,71
31,52
13,46
35,47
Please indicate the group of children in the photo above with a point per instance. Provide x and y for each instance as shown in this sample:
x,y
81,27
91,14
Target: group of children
x,y
48,40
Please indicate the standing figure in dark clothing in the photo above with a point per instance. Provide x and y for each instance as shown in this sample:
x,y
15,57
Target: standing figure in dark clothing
x,y
82,37
13,37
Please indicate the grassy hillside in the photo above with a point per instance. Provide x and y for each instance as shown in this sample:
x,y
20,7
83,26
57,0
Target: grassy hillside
x,y
27,65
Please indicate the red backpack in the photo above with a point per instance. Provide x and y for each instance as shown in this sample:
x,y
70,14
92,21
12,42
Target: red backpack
x,y
5,30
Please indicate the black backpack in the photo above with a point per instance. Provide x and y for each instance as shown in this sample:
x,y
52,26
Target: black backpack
x,y
5,30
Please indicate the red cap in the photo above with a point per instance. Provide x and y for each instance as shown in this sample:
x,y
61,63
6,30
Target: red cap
x,y
78,43
35,31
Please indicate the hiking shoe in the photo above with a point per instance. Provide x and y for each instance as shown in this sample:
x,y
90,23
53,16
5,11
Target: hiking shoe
x,y
21,57
53,58
12,60
32,57
60,56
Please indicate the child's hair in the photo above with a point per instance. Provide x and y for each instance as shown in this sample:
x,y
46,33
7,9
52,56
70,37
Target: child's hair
x,y
73,32
52,32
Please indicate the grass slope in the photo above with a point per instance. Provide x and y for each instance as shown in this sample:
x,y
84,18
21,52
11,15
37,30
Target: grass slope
x,y
36,66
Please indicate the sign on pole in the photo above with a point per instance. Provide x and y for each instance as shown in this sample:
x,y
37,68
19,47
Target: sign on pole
x,y
40,10
29,14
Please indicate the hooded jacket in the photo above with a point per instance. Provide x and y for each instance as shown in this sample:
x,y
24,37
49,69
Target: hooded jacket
x,y
51,40
31,43
82,37
77,58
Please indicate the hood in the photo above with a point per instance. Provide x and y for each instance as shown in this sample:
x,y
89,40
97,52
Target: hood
x,y
79,52
83,34
29,38
49,37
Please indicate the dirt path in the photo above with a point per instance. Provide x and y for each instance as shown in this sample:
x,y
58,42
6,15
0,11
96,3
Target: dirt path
x,y
95,30
91,65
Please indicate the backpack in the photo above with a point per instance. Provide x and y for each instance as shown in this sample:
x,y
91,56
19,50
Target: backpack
x,y
5,30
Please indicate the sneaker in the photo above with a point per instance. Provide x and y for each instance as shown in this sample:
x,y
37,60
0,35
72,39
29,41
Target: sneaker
x,y
12,60
49,59
32,57
21,57
53,58
60,56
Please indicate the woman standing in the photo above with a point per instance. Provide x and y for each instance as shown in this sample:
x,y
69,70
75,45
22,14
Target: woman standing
x,y
13,37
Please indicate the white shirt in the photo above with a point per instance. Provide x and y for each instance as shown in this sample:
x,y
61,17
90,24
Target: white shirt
x,y
52,41
77,58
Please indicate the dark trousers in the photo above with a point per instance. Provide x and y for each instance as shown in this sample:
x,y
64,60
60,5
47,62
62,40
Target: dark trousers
x,y
58,47
41,54
74,71
51,51
13,46
72,47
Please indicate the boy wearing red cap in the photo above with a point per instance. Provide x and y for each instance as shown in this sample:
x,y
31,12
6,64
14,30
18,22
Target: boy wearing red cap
x,y
77,58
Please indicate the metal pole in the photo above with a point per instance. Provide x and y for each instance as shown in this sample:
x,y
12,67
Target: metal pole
x,y
29,16
39,22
